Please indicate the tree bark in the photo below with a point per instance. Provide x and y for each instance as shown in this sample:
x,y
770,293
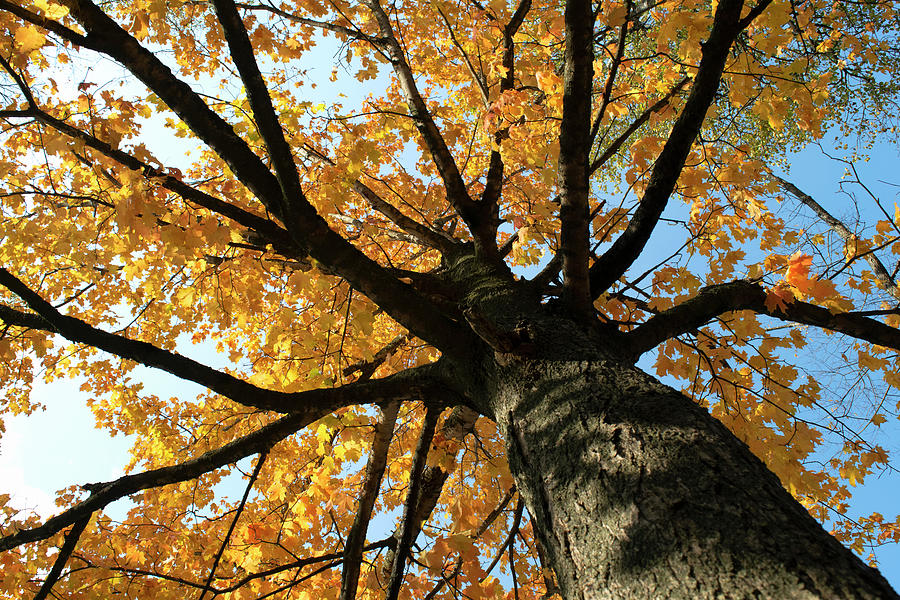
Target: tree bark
x,y
637,492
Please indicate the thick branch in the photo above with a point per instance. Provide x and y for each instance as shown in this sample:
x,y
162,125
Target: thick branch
x,y
307,228
493,185
65,552
574,153
261,103
104,35
408,525
366,368
716,300
473,213
353,548
727,24
238,390
48,24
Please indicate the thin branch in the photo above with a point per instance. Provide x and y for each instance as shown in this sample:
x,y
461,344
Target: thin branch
x,y
409,526
485,525
78,331
269,230
881,273
347,31
333,559
517,518
456,427
107,492
368,367
613,71
478,77
424,234
614,147
237,515
356,537
416,383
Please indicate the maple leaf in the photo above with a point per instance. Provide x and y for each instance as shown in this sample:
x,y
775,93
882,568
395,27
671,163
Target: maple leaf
x,y
797,273
29,39
778,298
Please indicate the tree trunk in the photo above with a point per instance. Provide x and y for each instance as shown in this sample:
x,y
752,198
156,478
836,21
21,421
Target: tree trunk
x,y
637,492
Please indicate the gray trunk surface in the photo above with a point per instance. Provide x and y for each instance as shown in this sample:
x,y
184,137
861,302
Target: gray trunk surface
x,y
637,492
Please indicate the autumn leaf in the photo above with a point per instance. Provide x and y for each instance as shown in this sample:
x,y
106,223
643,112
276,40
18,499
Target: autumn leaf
x,y
778,298
29,39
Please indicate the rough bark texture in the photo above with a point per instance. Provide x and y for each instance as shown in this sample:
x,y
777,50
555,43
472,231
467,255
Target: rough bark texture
x,y
636,492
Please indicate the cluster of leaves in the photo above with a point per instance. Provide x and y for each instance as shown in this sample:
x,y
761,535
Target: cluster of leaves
x,y
107,233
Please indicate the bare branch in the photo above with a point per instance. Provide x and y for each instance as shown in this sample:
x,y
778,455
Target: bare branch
x,y
574,153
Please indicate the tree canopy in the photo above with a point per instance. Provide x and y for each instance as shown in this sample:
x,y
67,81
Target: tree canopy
x,y
617,164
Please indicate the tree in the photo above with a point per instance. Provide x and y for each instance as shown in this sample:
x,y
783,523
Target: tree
x,y
398,348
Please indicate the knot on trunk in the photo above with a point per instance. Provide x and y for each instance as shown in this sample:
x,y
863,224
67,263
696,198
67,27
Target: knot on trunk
x,y
517,340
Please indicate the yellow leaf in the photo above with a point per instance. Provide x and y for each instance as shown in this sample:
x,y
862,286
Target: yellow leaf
x,y
28,39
